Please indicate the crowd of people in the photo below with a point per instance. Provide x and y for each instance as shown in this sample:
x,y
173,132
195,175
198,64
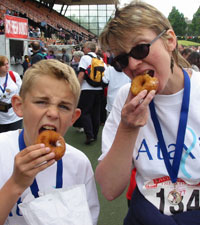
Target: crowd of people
x,y
149,141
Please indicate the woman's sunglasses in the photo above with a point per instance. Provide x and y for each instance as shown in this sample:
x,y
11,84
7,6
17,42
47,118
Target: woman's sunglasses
x,y
140,51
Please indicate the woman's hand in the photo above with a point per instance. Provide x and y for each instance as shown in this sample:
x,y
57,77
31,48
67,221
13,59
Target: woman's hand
x,y
135,111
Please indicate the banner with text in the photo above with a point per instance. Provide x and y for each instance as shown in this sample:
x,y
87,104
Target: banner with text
x,y
16,27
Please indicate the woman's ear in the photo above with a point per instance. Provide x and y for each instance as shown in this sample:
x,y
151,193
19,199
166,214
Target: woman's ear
x,y
171,40
17,105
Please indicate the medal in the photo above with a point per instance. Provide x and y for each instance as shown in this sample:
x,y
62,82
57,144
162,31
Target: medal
x,y
174,197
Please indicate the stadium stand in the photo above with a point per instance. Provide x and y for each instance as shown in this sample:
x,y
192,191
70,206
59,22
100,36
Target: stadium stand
x,y
55,22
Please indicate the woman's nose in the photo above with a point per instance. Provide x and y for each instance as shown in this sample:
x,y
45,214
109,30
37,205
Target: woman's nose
x,y
132,65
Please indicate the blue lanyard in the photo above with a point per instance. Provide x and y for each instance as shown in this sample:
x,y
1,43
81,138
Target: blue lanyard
x,y
5,84
59,173
174,168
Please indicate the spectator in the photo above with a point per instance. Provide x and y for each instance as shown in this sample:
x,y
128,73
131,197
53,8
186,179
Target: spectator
x,y
10,83
37,53
90,99
76,57
194,60
65,56
26,64
51,55
114,80
186,52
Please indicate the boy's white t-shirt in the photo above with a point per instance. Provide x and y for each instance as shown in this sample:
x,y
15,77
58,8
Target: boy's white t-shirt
x,y
152,177
77,169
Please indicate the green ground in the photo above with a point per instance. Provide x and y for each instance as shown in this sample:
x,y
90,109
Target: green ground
x,y
188,43
111,213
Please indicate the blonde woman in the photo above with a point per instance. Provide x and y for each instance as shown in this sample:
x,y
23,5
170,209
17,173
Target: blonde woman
x,y
155,132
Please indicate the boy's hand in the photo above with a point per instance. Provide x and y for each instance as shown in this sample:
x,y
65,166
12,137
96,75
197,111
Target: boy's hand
x,y
135,111
29,162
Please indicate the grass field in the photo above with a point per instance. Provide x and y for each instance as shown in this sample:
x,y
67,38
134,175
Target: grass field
x,y
111,213
188,43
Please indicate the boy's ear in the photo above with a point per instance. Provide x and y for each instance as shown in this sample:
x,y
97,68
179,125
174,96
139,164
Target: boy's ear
x,y
76,115
17,105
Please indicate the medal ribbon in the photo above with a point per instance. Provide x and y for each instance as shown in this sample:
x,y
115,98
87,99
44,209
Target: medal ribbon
x,y
5,84
174,168
59,173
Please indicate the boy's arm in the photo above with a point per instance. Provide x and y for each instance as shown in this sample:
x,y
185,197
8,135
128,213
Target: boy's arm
x,y
9,194
28,163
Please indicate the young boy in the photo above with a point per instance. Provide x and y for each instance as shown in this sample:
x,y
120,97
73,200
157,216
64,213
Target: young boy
x,y
48,99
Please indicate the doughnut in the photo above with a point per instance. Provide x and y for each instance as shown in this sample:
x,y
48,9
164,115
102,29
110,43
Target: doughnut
x,y
54,141
143,82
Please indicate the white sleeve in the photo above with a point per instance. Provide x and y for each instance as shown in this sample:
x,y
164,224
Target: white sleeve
x,y
18,80
106,77
92,195
112,122
85,62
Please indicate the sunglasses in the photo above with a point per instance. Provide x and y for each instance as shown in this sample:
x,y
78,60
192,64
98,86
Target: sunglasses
x,y
140,51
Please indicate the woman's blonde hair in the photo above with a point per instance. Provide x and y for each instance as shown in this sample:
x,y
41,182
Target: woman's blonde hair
x,y
53,68
130,20
2,60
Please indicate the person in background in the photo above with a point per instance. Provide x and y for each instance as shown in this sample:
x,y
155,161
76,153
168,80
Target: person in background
x,y
114,80
22,161
76,57
186,52
10,83
26,64
65,56
156,132
194,60
91,97
51,55
37,53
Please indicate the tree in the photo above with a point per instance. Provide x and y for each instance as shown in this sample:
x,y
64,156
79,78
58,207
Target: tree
x,y
177,21
194,28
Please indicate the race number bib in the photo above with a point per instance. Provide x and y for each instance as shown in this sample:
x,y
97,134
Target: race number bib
x,y
172,198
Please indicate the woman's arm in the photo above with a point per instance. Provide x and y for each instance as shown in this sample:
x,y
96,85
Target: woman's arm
x,y
113,172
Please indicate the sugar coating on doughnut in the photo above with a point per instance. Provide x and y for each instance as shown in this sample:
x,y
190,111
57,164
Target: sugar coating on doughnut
x,y
143,82
54,141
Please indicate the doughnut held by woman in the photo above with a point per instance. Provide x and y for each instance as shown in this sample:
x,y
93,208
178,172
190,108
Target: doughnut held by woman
x,y
143,82
54,141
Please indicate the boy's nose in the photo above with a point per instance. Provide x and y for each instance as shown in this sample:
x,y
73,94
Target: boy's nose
x,y
52,111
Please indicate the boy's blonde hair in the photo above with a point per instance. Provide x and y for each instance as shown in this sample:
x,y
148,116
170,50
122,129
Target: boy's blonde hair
x,y
53,68
129,22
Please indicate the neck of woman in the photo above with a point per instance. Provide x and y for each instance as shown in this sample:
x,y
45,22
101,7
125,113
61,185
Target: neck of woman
x,y
175,82
3,74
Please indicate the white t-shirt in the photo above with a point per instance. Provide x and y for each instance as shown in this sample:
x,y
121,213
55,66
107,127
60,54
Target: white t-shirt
x,y
12,88
84,63
152,177
77,169
115,80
